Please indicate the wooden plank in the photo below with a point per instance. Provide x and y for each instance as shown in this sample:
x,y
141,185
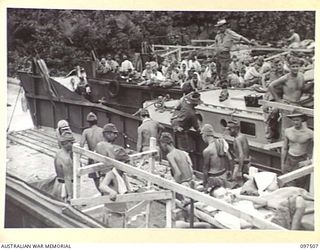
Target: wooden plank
x,y
169,213
146,196
202,41
133,210
173,186
92,168
169,53
296,174
76,177
273,145
152,151
288,107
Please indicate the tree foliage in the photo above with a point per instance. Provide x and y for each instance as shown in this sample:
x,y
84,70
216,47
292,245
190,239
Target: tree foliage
x,y
65,37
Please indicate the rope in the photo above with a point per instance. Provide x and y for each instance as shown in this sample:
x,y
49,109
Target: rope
x,y
14,108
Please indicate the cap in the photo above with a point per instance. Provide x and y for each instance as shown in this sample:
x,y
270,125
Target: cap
x,y
110,127
66,136
193,98
207,129
296,113
232,124
62,124
91,117
144,112
121,154
221,22
166,137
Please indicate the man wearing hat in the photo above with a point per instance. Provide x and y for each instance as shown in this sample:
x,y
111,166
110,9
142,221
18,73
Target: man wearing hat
x,y
184,118
224,41
297,147
149,128
215,160
106,147
92,136
62,126
241,150
64,167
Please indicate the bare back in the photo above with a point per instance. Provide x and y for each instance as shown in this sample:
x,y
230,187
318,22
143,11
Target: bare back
x,y
63,165
92,136
241,141
179,162
212,159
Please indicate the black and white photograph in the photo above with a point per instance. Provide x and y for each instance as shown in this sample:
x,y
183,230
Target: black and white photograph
x,y
160,119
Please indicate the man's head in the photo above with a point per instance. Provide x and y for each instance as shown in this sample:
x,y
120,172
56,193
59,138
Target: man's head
x,y
221,25
234,58
193,99
166,141
103,61
233,128
294,65
206,132
291,31
110,132
66,140
92,118
109,57
260,61
297,118
144,113
222,194
278,64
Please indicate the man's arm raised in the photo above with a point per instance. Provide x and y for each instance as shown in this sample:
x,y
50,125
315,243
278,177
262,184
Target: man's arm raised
x,y
277,83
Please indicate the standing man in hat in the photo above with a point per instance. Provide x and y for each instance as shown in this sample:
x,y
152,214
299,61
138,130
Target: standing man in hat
x,y
64,167
148,128
92,136
224,41
297,147
215,158
106,147
179,160
241,149
184,118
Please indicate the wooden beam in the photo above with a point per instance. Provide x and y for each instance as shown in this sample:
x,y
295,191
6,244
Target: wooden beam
x,y
76,177
178,188
287,107
92,168
184,47
152,151
273,145
169,53
130,197
203,41
296,174
133,210
169,213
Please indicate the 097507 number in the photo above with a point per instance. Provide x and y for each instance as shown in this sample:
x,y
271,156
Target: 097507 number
x,y
311,246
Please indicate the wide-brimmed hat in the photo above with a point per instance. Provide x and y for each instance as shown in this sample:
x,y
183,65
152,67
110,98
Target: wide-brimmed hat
x,y
110,127
193,98
221,22
232,124
296,113
207,129
91,117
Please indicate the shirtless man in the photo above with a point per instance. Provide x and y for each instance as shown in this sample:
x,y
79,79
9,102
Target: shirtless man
x,y
297,143
215,159
179,161
113,184
64,166
241,150
106,147
148,128
291,84
92,136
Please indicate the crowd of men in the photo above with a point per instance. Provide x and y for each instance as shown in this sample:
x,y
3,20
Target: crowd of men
x,y
222,167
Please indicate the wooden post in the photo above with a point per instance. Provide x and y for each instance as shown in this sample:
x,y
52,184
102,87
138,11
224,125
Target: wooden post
x,y
168,213
153,146
76,177
191,212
